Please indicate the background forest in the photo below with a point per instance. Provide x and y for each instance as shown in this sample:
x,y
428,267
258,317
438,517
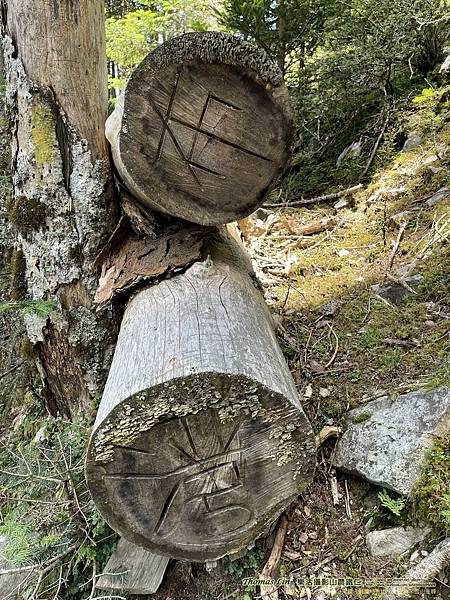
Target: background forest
x,y
351,68
372,107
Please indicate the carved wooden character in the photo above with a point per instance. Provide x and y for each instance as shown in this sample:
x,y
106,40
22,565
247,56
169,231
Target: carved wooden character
x,y
203,130
200,439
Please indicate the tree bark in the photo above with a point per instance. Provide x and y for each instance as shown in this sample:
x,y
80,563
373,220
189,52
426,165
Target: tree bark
x,y
200,440
62,208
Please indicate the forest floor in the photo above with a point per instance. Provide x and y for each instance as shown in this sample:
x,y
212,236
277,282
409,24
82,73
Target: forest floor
x,y
346,344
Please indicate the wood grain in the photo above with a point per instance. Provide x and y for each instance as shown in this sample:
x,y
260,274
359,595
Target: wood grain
x,y
200,440
202,137
132,570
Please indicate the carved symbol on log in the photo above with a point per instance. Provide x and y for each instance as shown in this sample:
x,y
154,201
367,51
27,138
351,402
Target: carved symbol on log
x,y
197,129
204,488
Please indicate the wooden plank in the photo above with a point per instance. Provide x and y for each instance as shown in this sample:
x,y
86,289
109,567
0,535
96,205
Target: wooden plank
x,y
200,439
204,129
133,570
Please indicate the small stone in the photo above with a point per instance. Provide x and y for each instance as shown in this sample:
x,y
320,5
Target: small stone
x,y
385,441
430,159
343,252
324,392
303,538
445,67
395,541
353,149
413,140
308,391
400,218
396,293
331,308
438,196
41,435
343,203
403,271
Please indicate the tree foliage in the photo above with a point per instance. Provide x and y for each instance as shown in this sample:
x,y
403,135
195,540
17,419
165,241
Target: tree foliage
x,y
289,30
349,65
135,28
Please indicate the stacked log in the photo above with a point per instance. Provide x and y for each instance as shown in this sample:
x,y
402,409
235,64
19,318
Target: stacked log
x,y
200,440
203,130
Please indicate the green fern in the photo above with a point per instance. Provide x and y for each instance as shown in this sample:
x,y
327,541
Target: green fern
x,y
42,308
19,543
395,506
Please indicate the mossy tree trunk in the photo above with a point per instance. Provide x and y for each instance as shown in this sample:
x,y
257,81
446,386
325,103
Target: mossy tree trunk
x,y
62,207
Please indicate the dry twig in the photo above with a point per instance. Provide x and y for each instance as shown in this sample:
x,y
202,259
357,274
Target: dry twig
x,y
269,591
324,198
426,570
396,246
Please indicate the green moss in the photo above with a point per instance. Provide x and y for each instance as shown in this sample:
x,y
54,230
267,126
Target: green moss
x,y
27,214
431,495
42,128
18,280
362,418
26,350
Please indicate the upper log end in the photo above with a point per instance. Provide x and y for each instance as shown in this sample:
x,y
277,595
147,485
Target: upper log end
x,y
204,129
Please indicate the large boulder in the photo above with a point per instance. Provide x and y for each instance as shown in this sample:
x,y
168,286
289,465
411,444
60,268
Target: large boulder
x,y
385,441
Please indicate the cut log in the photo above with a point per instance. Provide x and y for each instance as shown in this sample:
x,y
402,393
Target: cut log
x,y
204,128
200,440
133,570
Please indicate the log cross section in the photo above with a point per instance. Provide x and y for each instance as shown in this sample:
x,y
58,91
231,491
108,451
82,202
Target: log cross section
x,y
199,110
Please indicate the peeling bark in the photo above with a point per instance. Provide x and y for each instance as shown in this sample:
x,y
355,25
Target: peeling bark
x,y
129,260
56,91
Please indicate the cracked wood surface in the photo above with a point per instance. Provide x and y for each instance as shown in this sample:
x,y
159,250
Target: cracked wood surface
x,y
200,439
128,260
132,570
198,135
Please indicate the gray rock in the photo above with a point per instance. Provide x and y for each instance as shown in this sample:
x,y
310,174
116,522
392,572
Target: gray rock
x,y
354,149
400,218
413,140
342,203
395,541
330,308
445,67
438,196
395,293
385,441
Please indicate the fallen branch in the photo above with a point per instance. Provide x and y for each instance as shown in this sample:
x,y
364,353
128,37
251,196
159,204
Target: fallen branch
x,y
426,570
324,198
43,568
11,370
401,343
269,591
396,247
376,146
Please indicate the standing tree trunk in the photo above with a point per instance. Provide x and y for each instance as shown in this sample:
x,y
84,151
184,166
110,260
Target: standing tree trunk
x,y
62,207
